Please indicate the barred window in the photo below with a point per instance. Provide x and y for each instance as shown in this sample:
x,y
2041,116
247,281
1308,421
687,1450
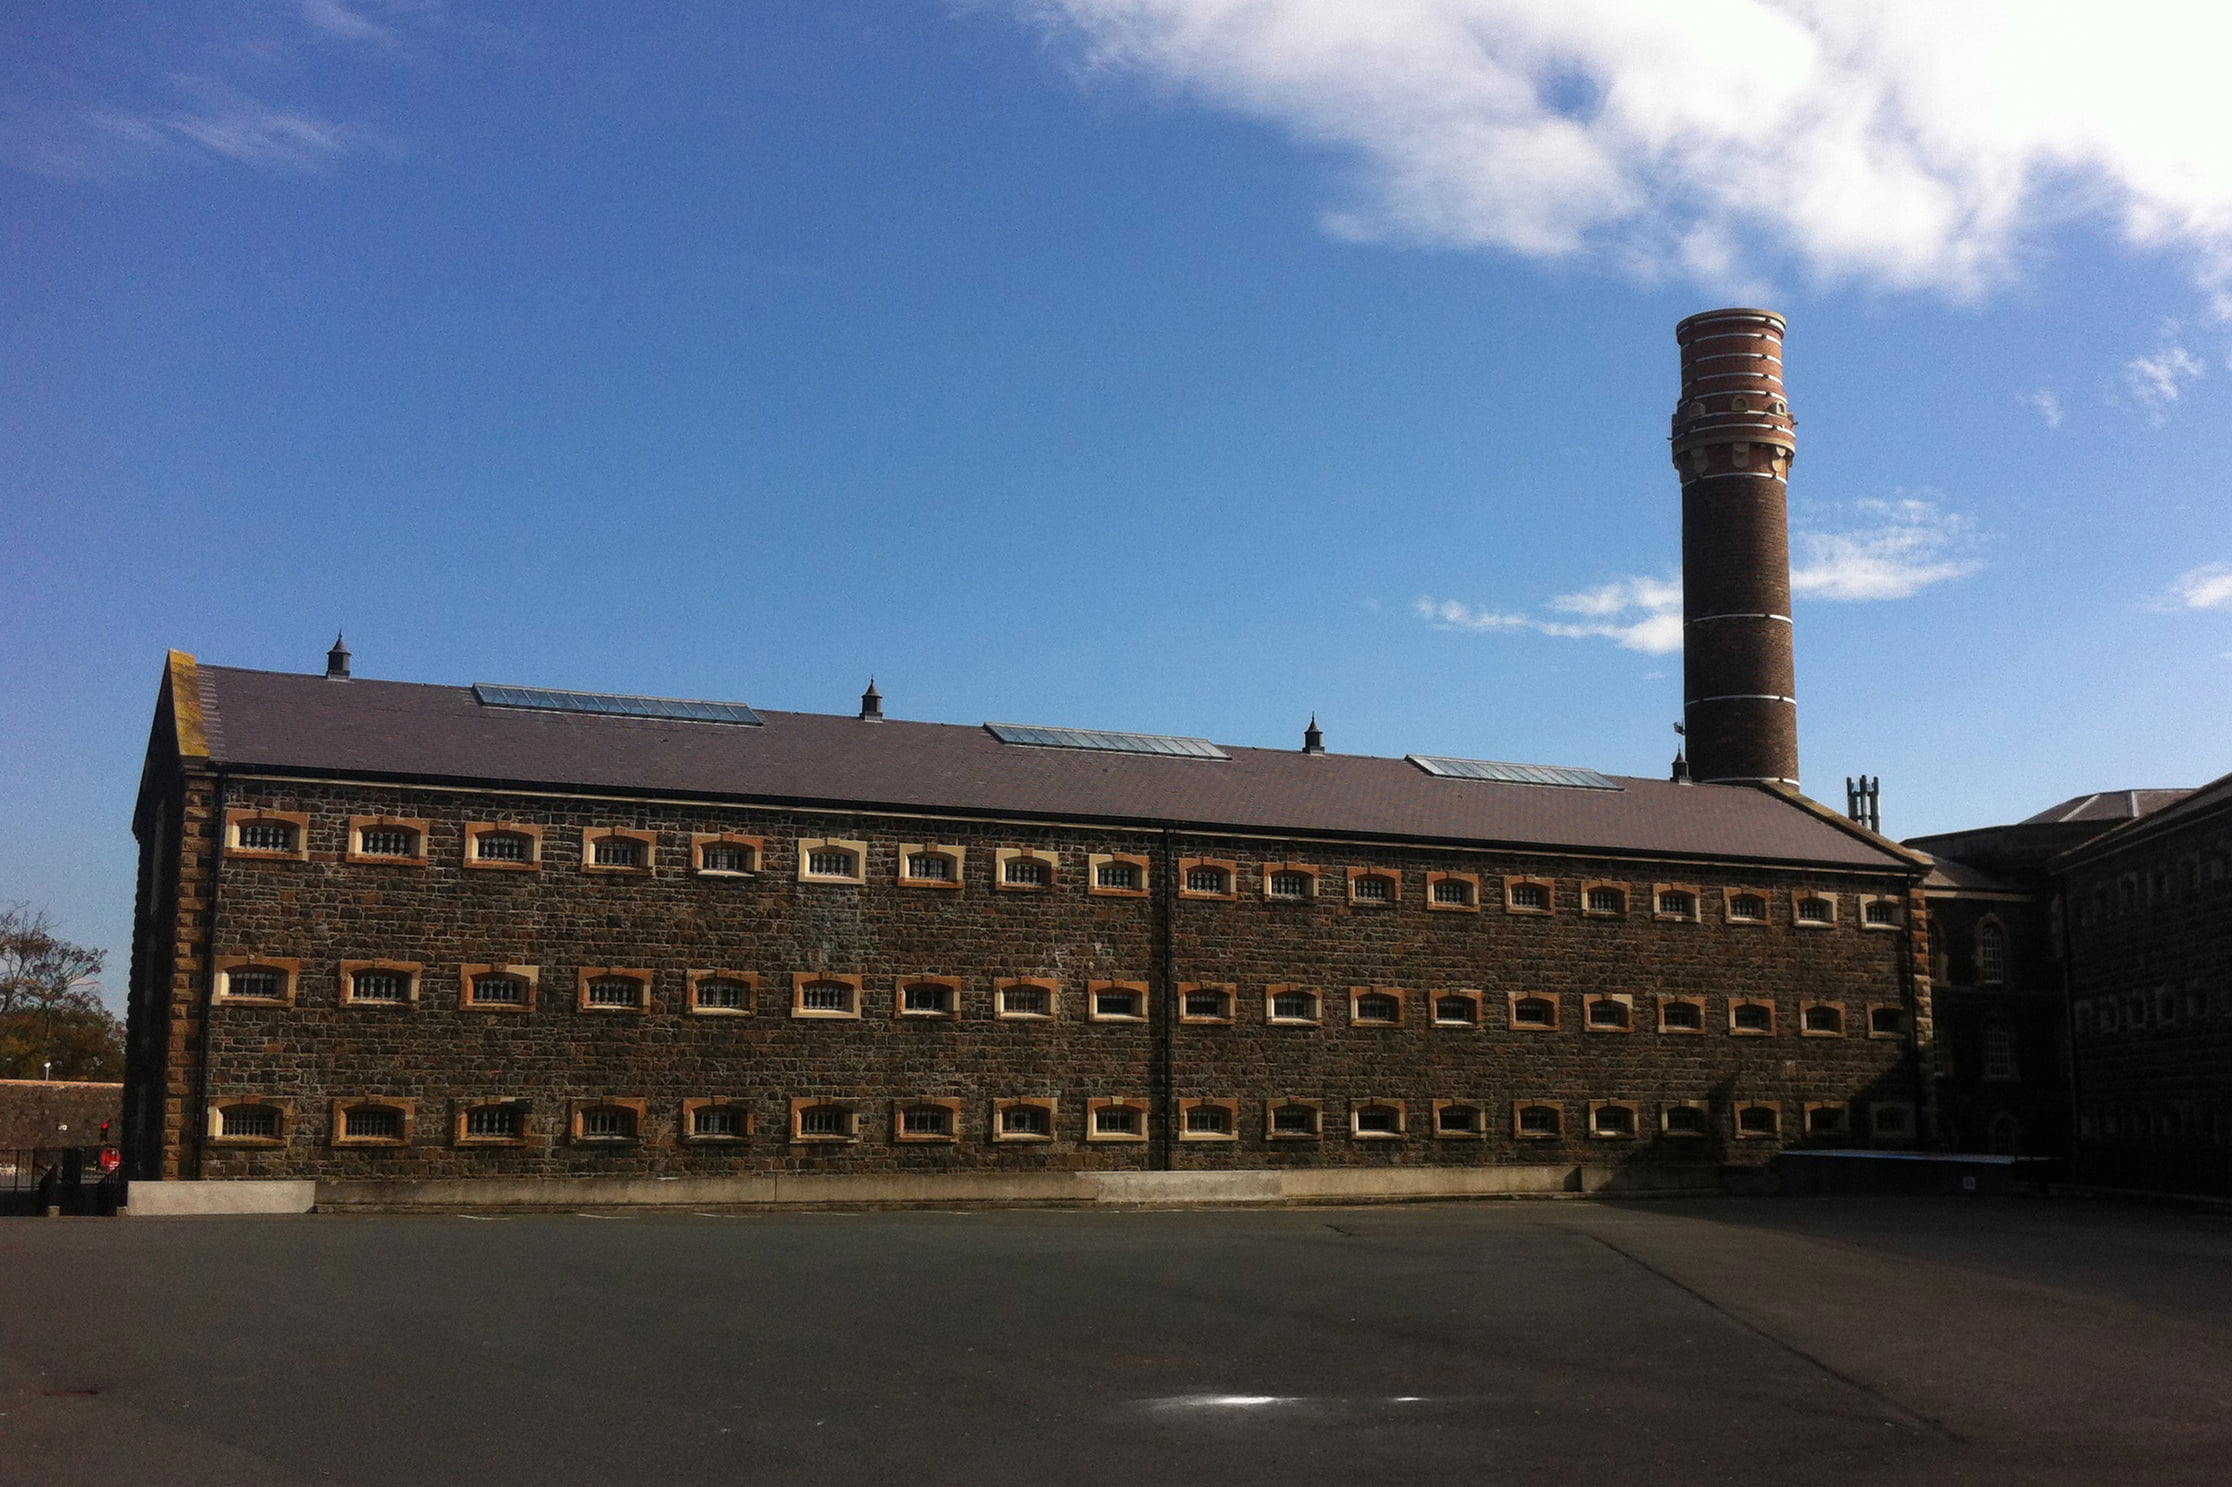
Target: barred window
x,y
1028,872
1608,1012
1294,1120
927,998
1758,1120
1816,911
831,862
1534,1011
1538,1120
1824,1019
1685,1120
1026,1120
372,1123
1991,954
268,836
716,1120
1688,1016
826,996
1294,1006
257,983
1826,1120
1458,1119
1456,1010
1614,1120
1208,1003
926,1120
1886,1021
1208,1120
617,851
1372,888
1208,880
1123,875
725,857
723,994
258,1121
503,846
1530,896
1882,911
387,841
1753,1017
615,991
1603,900
1453,891
1026,1001
380,986
1119,1001
500,990
933,867
1119,1120
1377,1006
1999,1053
1292,885
608,1123
1676,904
825,1120
1747,907
493,1122
1379,1120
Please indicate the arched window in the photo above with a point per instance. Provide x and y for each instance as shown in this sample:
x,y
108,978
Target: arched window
x,y
376,1124
1758,1120
1205,1004
1538,1120
1458,1118
1291,884
606,1123
1684,1120
1751,1017
1824,1018
1376,1118
1209,879
1375,1008
387,841
1027,872
1534,1011
251,1122
1206,1120
1612,1119
1451,891
828,997
1372,888
722,994
1120,1122
718,1122
1681,1015
1677,903
496,989
1991,953
1294,1119
1294,1004
1457,1009
1747,908
832,862
268,836
1999,1054
927,1121
1604,898
1608,1013
615,993
927,999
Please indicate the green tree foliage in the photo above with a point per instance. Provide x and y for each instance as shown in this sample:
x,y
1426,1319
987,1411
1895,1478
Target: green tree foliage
x,y
50,1005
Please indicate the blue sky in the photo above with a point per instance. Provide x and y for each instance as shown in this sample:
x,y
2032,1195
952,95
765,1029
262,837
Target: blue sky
x,y
1127,363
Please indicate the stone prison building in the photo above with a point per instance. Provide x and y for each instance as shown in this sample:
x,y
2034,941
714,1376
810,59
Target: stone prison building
x,y
389,931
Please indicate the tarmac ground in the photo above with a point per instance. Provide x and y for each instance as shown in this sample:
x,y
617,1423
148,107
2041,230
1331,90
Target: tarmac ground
x,y
1731,1341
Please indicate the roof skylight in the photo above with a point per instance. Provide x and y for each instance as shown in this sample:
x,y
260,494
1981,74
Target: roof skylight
x,y
1513,774
613,704
1163,744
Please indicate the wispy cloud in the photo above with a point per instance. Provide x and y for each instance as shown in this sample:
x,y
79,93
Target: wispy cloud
x,y
2048,403
2206,587
1906,143
1898,548
2157,381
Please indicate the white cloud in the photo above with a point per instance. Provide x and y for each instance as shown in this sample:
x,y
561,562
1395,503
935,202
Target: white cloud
x,y
337,20
1906,143
232,125
2208,587
2158,380
2048,403
1637,614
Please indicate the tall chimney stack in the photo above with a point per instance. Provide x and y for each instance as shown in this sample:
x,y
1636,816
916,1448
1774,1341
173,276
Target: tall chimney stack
x,y
1733,442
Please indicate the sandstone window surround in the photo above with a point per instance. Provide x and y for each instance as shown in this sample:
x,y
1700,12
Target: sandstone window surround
x,y
380,983
1214,878
1292,1006
1378,1006
1881,911
1744,905
493,1122
1614,1120
825,994
1453,893
1116,1001
1206,1003
726,854
1891,1121
254,980
934,865
1026,999
372,1120
1027,1118
1116,875
503,846
1608,1012
250,1120
1532,1011
1460,1120
1825,1118
619,849
390,841
1530,895
715,1120
926,1120
1116,1118
1289,1119
1676,903
1603,899
1681,1014
274,836
1758,1120
608,1122
818,1121
1378,1120
1685,1119
937,998
1375,887
714,992
1459,1008
1812,910
1886,1020
833,860
1208,1119
621,989
1821,1020
487,987
1537,1120
1291,882
1750,1017
1025,869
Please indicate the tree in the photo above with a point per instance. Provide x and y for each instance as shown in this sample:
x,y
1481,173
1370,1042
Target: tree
x,y
50,1005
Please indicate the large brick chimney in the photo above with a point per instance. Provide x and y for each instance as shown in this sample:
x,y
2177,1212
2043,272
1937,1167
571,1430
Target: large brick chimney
x,y
1733,443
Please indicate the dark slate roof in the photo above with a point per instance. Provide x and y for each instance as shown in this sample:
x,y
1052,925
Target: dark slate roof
x,y
2182,806
1948,875
283,720
2106,805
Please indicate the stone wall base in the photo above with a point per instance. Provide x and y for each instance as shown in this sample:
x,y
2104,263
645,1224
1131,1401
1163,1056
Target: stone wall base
x,y
171,1199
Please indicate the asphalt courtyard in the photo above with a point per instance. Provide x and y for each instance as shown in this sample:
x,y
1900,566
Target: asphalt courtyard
x,y
1784,1341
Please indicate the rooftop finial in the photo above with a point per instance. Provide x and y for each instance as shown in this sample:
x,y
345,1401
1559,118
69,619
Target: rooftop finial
x,y
1313,737
871,704
337,659
1681,775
